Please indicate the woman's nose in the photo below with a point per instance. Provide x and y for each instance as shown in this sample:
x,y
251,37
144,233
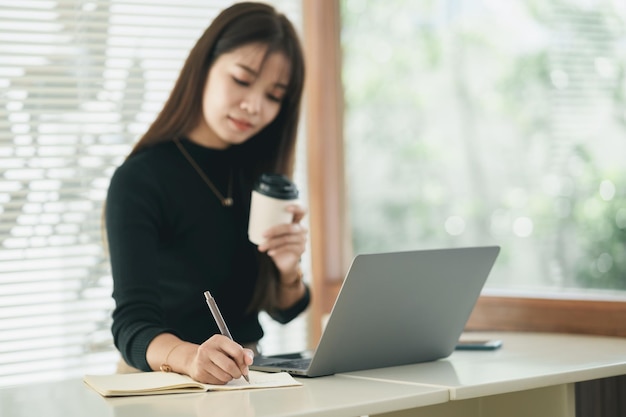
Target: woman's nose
x,y
251,103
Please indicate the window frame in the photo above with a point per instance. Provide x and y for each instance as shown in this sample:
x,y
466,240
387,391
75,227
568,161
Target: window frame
x,y
331,249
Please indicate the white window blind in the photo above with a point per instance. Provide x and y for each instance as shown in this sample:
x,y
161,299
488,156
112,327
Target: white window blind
x,y
79,82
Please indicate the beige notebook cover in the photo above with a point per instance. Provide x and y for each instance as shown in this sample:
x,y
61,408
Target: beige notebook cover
x,y
154,383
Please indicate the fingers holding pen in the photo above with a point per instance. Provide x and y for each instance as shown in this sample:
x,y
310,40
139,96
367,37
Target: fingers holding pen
x,y
220,360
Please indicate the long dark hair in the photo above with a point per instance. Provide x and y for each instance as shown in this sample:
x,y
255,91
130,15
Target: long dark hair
x,y
272,149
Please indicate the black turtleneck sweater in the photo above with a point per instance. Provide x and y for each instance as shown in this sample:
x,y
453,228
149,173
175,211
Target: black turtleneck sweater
x,y
170,239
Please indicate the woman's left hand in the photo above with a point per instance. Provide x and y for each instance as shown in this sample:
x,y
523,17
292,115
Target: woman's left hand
x,y
286,243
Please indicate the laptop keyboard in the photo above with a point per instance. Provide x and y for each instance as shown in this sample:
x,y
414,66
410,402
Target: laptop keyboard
x,y
293,363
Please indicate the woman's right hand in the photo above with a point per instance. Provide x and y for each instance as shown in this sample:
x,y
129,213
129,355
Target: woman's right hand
x,y
219,360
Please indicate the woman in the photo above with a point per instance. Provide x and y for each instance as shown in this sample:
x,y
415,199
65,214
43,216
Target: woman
x,y
177,208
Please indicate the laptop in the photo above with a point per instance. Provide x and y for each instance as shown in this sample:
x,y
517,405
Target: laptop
x,y
394,308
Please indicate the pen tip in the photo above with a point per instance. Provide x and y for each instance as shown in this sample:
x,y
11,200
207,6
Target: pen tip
x,y
247,378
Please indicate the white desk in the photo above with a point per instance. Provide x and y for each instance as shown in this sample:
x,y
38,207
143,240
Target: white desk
x,y
333,396
531,375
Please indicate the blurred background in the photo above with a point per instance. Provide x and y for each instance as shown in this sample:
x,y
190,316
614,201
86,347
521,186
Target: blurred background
x,y
466,122
483,122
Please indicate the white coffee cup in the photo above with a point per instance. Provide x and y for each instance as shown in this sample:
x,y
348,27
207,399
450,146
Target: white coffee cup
x,y
268,206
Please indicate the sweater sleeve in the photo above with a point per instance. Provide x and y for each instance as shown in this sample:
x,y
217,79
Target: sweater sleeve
x,y
132,218
285,316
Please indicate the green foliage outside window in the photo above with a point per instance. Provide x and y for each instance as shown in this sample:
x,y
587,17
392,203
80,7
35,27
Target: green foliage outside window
x,y
482,122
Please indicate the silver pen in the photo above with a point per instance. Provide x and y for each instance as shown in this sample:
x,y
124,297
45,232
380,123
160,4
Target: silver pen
x,y
217,315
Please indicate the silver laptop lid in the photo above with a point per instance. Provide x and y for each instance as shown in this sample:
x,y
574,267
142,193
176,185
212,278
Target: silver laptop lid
x,y
402,307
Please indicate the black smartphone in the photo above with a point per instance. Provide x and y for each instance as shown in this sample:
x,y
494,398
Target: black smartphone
x,y
476,344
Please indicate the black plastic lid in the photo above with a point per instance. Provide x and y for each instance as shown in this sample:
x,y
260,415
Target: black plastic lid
x,y
277,186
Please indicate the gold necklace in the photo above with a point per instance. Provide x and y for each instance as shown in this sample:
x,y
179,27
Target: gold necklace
x,y
226,202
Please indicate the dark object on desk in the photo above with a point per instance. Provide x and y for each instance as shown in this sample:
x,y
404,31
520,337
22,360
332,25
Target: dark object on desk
x,y
395,309
475,344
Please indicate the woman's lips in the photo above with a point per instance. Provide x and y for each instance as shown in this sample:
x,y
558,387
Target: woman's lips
x,y
240,124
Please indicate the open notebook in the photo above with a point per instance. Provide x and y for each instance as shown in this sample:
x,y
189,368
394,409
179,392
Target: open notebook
x,y
155,383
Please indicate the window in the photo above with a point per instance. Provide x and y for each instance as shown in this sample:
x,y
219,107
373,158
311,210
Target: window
x,y
79,82
475,122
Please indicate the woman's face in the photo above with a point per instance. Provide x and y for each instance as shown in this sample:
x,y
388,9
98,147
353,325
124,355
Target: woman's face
x,y
242,95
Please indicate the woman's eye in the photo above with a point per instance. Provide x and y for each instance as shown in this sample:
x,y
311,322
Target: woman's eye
x,y
274,98
241,82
